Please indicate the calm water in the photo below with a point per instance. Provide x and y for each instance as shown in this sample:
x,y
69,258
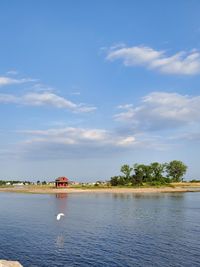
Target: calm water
x,y
101,229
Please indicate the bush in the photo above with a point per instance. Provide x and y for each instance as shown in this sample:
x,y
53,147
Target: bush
x,y
167,180
195,181
114,180
156,183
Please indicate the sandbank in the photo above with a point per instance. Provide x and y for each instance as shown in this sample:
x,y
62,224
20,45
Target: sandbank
x,y
178,187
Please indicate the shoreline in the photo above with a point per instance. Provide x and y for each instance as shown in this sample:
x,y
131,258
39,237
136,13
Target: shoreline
x,y
139,190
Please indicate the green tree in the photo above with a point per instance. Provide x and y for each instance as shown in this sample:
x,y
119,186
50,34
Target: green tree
x,y
118,180
136,179
114,180
140,174
157,171
122,180
126,170
175,170
147,172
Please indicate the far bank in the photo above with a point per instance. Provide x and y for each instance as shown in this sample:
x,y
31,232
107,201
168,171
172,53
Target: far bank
x,y
174,187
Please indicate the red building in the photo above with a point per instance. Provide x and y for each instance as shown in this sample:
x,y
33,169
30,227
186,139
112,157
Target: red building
x,y
62,182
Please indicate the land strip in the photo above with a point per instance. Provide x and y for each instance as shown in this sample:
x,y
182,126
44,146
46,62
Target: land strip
x,y
176,187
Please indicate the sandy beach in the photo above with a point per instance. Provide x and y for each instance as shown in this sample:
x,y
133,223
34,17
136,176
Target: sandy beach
x,y
180,187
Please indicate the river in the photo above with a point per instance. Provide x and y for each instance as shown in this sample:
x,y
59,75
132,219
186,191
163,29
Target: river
x,y
110,230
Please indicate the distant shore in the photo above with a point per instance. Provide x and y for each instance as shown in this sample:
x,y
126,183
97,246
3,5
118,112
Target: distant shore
x,y
175,187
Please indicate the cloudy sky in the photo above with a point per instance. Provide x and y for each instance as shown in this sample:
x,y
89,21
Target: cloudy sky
x,y
86,86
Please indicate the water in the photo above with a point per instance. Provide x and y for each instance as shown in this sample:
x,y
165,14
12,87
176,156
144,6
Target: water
x,y
101,229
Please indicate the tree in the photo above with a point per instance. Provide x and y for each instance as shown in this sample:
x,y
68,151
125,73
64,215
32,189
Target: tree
x,y
122,180
118,180
175,170
157,171
140,174
136,179
147,172
114,180
143,172
126,170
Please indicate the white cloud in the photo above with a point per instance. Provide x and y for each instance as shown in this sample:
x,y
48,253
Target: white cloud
x,y
74,142
45,98
185,63
74,135
161,110
4,80
127,141
41,95
12,72
192,136
40,87
78,143
7,98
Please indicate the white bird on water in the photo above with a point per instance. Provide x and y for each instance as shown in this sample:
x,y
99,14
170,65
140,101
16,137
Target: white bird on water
x,y
59,216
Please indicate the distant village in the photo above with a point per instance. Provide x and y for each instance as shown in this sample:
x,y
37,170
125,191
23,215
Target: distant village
x,y
58,182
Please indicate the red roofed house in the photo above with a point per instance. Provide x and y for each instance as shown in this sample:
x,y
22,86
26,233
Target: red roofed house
x,y
62,182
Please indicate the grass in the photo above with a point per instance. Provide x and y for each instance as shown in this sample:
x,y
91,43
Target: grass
x,y
26,188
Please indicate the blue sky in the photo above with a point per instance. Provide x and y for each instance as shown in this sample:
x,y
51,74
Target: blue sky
x,y
86,86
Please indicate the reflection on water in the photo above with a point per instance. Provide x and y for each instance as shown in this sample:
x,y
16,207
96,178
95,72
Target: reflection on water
x,y
60,241
61,206
61,195
147,195
61,202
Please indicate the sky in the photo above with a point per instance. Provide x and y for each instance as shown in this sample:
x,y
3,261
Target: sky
x,y
87,86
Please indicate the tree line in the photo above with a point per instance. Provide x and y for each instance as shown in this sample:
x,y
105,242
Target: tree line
x,y
152,174
11,182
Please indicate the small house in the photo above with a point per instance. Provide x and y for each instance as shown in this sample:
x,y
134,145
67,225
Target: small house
x,y
62,182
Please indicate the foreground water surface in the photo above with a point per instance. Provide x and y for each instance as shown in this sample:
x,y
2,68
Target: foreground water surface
x,y
101,229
